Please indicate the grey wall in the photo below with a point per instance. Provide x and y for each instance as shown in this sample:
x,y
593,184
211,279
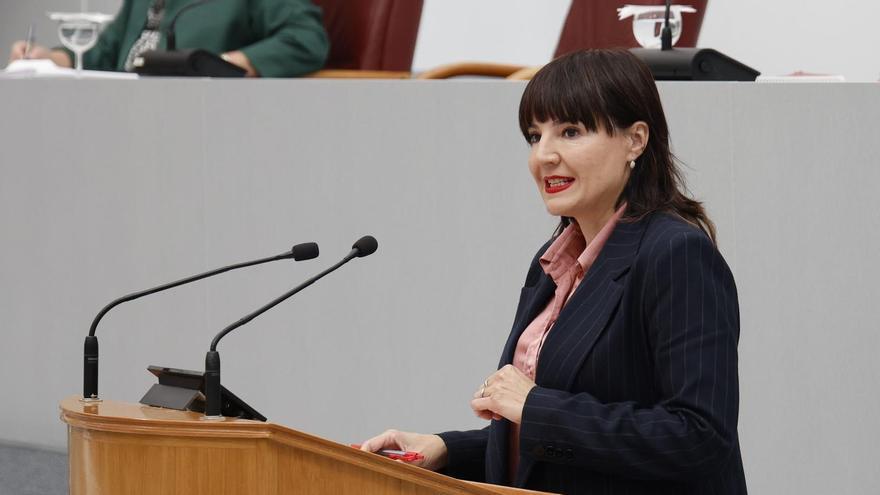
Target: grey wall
x,y
107,187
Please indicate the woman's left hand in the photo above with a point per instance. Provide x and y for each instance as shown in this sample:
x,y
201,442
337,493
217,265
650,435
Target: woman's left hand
x,y
503,395
240,59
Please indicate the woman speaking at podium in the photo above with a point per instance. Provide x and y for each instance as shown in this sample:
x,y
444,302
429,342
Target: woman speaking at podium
x,y
620,372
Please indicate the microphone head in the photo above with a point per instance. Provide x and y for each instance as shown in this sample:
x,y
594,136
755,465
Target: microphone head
x,y
305,251
365,246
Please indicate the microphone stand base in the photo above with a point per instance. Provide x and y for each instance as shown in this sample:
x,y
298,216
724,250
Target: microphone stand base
x,y
693,64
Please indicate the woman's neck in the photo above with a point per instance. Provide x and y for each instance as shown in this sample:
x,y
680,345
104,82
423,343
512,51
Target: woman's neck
x,y
592,223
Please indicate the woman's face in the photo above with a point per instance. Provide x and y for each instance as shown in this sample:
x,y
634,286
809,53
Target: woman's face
x,y
580,173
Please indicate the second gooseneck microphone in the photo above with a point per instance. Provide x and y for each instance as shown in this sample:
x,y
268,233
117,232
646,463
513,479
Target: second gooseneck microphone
x,y
364,246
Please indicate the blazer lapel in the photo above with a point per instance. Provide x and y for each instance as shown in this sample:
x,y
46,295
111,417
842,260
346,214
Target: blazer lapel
x,y
586,314
531,301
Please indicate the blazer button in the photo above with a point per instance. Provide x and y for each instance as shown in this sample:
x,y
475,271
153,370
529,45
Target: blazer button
x,y
559,452
550,451
569,454
538,451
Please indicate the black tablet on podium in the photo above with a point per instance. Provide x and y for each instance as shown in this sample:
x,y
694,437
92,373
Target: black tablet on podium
x,y
184,390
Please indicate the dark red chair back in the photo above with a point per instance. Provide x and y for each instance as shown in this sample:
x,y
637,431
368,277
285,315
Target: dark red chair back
x,y
371,34
594,24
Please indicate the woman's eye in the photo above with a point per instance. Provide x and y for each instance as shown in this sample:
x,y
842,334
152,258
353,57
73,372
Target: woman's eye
x,y
571,132
533,137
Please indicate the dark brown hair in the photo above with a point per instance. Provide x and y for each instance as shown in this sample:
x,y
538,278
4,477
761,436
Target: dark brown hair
x,y
609,90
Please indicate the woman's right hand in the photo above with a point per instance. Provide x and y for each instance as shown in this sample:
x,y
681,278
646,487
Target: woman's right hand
x,y
36,51
431,447
39,52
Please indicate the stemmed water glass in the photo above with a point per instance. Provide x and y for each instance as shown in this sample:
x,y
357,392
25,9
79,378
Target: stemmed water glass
x,y
648,22
79,32
79,37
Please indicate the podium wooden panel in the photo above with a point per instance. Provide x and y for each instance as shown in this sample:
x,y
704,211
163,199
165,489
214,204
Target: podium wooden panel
x,y
117,447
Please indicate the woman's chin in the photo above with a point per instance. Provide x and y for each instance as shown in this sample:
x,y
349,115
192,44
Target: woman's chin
x,y
558,210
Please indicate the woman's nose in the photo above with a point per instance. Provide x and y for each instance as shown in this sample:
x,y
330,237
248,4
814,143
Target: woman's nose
x,y
546,152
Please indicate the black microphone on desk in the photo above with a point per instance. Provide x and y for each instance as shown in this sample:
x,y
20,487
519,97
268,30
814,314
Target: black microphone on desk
x,y
364,246
690,64
666,34
187,63
299,252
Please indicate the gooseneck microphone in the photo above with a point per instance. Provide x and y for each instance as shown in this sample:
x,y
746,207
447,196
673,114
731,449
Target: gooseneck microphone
x,y
364,246
299,252
690,64
666,34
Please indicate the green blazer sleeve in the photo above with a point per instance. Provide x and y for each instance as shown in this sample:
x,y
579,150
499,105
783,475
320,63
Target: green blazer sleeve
x,y
293,39
281,38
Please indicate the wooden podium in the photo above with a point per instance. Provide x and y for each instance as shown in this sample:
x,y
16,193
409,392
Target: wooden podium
x,y
122,448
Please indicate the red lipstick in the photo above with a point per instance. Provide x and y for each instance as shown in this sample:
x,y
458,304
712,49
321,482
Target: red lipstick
x,y
555,183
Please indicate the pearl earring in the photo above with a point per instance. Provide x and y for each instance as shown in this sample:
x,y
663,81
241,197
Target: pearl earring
x,y
632,164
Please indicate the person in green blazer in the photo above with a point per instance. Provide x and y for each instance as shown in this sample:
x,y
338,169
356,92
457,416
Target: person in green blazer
x,y
269,38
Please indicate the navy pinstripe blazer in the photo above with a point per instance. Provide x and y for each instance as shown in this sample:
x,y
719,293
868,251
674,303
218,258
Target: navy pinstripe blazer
x,y
637,388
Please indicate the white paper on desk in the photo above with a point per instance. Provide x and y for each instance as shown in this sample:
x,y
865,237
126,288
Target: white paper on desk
x,y
801,78
46,69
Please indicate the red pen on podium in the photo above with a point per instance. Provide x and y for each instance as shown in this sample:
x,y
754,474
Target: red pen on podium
x,y
397,455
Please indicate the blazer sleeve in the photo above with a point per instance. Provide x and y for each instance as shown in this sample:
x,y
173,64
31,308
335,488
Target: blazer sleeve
x,y
293,41
466,454
691,319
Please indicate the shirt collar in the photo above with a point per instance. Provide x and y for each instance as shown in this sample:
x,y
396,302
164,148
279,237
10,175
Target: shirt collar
x,y
570,250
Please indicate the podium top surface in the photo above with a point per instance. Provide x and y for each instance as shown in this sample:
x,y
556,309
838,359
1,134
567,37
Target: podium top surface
x,y
128,420
115,416
113,409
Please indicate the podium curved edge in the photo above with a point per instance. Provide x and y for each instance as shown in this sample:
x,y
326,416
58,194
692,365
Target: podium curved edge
x,y
115,417
126,418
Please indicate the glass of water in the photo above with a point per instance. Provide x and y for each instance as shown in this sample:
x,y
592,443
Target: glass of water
x,y
648,21
647,27
79,36
78,31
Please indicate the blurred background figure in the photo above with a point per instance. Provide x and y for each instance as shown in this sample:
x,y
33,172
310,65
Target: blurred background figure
x,y
269,38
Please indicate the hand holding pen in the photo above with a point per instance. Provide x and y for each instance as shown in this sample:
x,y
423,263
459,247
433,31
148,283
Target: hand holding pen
x,y
28,49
